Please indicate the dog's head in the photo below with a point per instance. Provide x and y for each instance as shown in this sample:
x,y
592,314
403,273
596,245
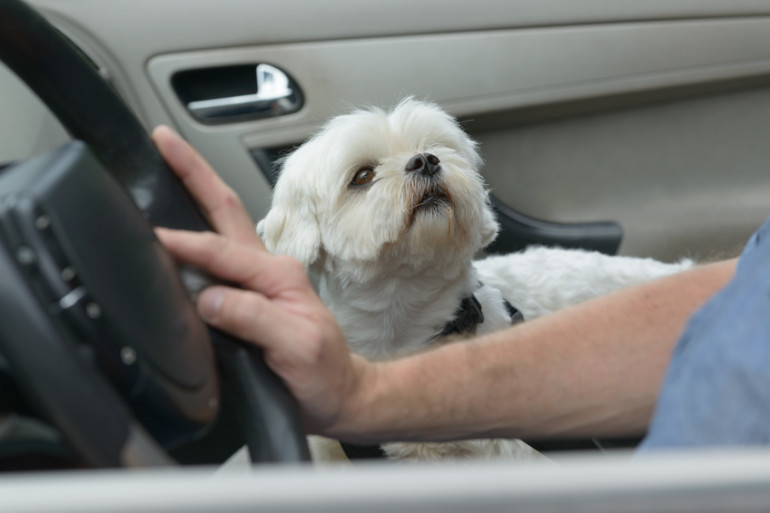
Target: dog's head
x,y
372,185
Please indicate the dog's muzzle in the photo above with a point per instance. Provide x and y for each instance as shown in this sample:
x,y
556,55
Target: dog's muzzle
x,y
426,190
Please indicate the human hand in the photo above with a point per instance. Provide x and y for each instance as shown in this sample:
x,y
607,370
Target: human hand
x,y
276,308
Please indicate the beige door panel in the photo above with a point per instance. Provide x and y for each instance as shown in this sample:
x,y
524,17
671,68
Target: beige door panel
x,y
507,69
583,168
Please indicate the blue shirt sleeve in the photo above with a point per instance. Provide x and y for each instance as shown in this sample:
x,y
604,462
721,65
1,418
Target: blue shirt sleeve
x,y
716,392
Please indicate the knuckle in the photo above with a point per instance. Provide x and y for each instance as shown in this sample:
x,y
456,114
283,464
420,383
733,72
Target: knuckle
x,y
315,346
290,266
288,262
230,200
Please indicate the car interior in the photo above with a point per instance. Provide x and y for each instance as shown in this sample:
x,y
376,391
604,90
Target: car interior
x,y
626,128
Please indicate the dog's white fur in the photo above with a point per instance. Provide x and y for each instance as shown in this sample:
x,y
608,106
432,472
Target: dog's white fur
x,y
394,261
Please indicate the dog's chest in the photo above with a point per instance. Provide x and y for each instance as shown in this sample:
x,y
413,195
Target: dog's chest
x,y
385,330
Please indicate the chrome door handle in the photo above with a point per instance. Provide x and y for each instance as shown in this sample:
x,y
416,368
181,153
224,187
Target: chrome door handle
x,y
276,95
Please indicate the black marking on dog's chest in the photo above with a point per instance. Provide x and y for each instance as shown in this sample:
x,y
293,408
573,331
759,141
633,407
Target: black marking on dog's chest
x,y
470,314
467,316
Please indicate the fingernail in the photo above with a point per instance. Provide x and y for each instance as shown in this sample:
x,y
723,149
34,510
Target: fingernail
x,y
210,301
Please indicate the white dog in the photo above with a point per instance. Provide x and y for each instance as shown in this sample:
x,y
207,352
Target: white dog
x,y
388,209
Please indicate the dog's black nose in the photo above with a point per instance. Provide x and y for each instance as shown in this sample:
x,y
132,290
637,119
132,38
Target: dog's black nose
x,y
424,163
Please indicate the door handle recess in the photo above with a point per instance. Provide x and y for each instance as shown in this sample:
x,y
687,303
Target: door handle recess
x,y
202,93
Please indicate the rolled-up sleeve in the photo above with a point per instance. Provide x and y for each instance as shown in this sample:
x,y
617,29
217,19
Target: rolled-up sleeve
x,y
717,388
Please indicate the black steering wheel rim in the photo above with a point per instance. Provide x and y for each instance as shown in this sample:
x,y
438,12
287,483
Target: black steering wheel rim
x,y
91,112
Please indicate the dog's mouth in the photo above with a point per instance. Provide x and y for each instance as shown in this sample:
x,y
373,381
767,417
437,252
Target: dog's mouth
x,y
433,199
427,197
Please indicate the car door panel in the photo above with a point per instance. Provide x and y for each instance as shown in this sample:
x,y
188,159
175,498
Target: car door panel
x,y
647,113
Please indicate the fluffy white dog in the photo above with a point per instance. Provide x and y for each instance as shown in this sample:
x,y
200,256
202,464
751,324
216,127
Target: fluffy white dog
x,y
388,209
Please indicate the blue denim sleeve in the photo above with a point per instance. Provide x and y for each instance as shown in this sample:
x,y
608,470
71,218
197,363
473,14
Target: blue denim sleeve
x,y
717,387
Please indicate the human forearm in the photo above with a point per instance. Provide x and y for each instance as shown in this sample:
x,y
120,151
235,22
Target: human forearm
x,y
591,370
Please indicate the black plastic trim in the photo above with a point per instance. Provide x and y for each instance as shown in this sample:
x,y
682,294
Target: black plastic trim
x,y
517,231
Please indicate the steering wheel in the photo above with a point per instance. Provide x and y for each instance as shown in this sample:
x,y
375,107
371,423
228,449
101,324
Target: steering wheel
x,y
96,325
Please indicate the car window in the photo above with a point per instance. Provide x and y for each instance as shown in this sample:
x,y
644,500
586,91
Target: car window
x,y
26,125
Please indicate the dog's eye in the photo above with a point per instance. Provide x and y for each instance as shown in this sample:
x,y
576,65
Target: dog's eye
x,y
363,176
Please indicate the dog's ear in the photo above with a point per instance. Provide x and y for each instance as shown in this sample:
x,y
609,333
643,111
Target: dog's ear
x,y
489,225
292,229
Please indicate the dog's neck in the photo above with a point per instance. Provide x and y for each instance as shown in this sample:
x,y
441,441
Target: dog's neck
x,y
399,314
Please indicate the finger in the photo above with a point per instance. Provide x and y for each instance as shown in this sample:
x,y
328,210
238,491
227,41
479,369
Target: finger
x,y
296,346
308,351
239,263
249,316
219,202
